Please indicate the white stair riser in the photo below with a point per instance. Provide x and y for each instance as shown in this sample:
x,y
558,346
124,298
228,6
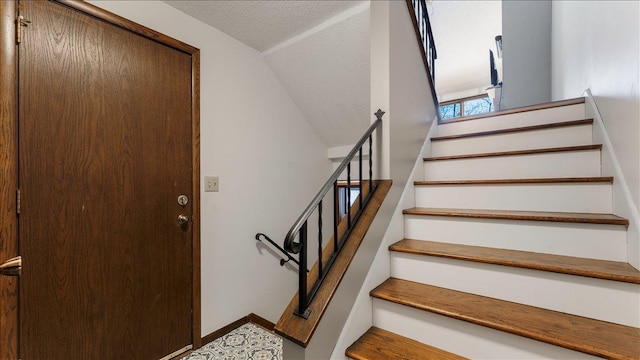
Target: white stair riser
x,y
594,241
570,294
463,338
538,139
567,197
556,164
528,118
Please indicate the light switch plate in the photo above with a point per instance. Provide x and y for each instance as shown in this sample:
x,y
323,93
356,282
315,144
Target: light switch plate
x,y
211,184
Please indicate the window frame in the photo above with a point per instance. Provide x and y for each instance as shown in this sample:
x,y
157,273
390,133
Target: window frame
x,y
461,102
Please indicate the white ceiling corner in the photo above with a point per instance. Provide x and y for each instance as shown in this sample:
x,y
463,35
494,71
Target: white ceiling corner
x,y
318,49
262,24
327,73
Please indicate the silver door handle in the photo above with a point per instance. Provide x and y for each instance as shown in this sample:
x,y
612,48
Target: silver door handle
x,y
183,219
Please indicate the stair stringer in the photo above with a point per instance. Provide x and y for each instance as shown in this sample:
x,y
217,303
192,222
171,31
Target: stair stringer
x,y
622,202
360,317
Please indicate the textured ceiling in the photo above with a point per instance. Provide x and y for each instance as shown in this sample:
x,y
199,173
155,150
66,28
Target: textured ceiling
x,y
262,24
464,32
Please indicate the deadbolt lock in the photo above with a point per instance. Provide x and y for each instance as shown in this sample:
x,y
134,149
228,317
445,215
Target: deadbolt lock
x,y
183,200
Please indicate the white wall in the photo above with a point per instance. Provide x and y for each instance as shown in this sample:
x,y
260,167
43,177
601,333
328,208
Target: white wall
x,y
596,46
399,86
526,56
269,160
464,31
412,107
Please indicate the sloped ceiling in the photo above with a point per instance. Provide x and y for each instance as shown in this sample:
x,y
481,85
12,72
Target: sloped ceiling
x,y
319,50
327,75
262,24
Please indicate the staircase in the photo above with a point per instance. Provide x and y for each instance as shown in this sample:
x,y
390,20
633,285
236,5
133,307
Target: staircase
x,y
512,250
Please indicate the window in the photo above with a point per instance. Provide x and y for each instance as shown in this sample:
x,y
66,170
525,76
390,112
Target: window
x,y
465,107
450,111
476,106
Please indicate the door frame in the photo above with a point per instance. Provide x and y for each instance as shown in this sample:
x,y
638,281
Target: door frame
x,y
8,178
9,322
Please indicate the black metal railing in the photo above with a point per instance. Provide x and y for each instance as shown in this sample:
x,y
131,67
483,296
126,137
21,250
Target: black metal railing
x,y
299,229
426,34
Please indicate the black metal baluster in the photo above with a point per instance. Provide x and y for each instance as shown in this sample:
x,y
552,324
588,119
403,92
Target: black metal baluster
x,y
302,274
320,240
426,27
349,195
360,174
419,16
423,24
425,44
378,115
336,215
426,40
419,20
433,70
370,163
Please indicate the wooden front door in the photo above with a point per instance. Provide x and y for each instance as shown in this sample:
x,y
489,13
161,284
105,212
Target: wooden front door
x,y
107,142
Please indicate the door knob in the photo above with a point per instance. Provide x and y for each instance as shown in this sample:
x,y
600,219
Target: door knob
x,y
183,219
11,267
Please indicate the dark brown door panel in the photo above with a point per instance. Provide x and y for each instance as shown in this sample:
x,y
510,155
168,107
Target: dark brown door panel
x,y
105,149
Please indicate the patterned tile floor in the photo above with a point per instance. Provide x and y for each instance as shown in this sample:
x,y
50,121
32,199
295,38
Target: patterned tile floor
x,y
248,342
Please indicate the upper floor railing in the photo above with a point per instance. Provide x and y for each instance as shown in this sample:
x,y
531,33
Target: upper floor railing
x,y
426,35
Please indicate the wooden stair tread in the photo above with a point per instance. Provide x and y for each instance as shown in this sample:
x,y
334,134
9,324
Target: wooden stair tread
x,y
605,179
517,152
601,269
379,344
586,335
566,217
543,106
515,130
